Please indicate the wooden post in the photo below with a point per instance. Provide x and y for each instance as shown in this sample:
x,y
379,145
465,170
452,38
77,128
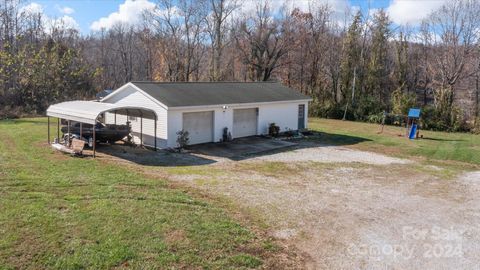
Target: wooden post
x,y
81,127
408,123
383,120
48,129
94,140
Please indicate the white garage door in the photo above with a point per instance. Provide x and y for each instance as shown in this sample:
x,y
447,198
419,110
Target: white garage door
x,y
244,122
199,126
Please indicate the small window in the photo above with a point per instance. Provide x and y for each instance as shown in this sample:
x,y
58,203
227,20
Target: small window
x,y
132,118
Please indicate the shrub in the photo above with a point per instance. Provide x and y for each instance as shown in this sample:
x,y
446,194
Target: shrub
x,y
182,139
329,110
375,118
439,120
476,126
226,136
395,119
289,132
365,106
402,102
273,130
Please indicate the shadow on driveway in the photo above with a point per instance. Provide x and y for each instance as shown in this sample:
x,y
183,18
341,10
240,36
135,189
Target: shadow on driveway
x,y
256,146
238,149
241,148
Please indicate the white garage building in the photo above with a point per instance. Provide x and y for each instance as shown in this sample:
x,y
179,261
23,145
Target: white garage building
x,y
204,109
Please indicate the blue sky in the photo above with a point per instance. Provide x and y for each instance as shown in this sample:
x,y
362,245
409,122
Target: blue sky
x,y
88,15
84,11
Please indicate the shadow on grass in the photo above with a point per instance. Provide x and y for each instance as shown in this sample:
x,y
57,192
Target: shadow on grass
x,y
148,157
441,140
35,121
336,139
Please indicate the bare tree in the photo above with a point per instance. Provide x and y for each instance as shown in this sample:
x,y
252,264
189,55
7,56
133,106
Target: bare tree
x,y
262,41
221,10
350,72
452,33
181,30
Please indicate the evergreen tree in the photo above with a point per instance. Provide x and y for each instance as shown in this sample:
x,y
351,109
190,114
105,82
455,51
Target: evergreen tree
x,y
401,98
377,82
351,58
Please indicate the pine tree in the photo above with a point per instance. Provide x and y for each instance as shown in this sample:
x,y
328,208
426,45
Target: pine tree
x,y
377,86
351,57
401,99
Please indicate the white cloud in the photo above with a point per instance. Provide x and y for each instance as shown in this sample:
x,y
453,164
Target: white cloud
x,y
50,22
32,8
412,12
65,10
129,12
66,21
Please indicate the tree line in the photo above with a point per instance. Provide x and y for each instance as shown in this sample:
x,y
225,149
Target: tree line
x,y
357,69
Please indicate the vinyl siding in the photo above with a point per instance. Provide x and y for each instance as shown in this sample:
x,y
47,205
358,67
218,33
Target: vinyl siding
x,y
131,97
285,115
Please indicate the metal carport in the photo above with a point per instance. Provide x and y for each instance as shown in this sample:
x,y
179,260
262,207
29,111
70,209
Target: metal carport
x,y
88,112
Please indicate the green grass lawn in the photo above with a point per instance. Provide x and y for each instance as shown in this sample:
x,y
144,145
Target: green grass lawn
x,y
58,212
434,147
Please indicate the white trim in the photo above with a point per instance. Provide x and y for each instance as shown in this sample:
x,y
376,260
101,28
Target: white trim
x,y
114,92
237,104
123,87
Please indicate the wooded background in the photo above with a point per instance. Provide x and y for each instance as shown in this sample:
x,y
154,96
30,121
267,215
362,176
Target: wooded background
x,y
355,69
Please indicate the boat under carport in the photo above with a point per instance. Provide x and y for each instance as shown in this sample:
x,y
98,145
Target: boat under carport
x,y
88,112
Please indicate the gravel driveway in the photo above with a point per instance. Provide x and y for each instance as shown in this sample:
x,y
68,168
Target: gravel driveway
x,y
348,209
332,154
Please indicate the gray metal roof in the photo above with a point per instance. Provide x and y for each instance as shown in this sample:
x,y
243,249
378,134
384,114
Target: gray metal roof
x,y
183,94
103,94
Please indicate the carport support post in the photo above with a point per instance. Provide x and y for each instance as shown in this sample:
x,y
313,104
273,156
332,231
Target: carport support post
x,y
155,133
68,131
48,132
141,128
58,130
80,131
94,140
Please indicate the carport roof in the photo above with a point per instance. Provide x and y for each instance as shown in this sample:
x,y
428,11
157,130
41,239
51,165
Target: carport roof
x,y
185,94
88,111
